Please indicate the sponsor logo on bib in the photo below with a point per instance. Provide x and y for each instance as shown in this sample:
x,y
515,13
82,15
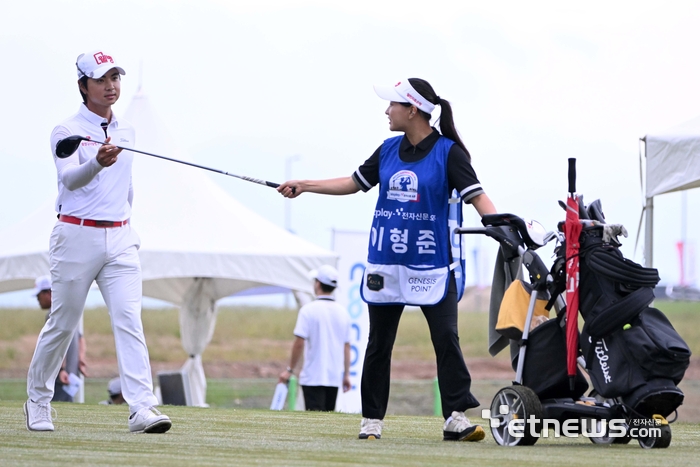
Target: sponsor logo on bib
x,y
421,284
403,187
375,282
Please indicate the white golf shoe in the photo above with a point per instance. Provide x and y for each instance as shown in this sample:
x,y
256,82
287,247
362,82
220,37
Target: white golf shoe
x,y
39,416
149,420
459,428
371,428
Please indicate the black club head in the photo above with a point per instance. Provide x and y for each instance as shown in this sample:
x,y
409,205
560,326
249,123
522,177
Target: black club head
x,y
67,146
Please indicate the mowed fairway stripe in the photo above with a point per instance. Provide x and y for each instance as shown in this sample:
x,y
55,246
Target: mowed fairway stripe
x,y
98,435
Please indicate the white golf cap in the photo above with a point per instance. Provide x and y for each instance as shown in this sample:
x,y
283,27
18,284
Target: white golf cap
x,y
114,387
95,64
40,284
326,275
404,92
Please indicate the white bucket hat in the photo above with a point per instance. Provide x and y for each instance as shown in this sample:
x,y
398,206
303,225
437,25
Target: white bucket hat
x,y
404,92
95,64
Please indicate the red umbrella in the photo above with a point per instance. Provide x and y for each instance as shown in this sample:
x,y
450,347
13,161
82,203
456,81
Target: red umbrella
x,y
572,232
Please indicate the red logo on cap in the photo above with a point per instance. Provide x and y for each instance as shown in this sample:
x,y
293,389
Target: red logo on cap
x,y
397,84
101,58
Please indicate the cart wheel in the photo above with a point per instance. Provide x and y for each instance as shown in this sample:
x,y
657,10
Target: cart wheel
x,y
605,439
623,439
518,403
608,439
661,441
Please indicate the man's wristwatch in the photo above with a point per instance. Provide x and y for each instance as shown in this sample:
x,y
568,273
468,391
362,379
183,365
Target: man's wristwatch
x,y
289,369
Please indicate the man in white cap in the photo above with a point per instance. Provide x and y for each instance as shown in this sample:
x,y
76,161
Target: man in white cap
x,y
323,337
93,240
114,389
74,361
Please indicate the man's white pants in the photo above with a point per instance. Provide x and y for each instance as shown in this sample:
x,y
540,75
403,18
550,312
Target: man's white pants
x,y
78,255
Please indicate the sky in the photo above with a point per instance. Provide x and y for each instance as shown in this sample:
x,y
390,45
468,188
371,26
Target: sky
x,y
278,89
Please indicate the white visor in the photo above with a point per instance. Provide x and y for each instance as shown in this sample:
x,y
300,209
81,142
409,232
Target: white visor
x,y
404,92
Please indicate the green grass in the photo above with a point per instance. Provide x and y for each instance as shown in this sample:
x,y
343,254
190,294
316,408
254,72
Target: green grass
x,y
263,334
236,430
98,435
408,397
235,393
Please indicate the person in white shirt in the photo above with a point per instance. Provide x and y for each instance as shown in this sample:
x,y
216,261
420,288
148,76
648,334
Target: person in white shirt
x,y
93,240
323,337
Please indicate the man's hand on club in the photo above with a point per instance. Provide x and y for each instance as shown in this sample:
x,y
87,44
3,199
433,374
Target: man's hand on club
x,y
107,154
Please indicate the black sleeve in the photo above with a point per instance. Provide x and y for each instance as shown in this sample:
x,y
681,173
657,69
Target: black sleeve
x,y
367,175
461,175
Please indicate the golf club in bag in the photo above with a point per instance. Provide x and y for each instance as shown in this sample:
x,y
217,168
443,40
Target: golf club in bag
x,y
67,147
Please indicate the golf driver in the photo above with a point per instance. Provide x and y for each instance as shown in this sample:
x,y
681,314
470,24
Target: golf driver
x,y
67,146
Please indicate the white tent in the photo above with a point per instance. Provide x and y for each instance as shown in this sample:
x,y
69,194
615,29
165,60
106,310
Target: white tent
x,y
672,164
198,244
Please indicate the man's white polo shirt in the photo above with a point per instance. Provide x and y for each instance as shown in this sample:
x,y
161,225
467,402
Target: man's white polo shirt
x,y
106,197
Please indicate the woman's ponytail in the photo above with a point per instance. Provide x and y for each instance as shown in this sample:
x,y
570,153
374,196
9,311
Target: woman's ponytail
x,y
446,121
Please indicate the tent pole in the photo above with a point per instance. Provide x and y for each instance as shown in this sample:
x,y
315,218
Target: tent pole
x,y
649,233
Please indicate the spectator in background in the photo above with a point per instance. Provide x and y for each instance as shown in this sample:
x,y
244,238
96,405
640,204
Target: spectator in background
x,y
114,389
323,337
74,361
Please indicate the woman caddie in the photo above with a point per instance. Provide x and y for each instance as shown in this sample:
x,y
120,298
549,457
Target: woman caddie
x,y
411,260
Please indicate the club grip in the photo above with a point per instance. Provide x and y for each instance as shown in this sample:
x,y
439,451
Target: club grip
x,y
572,175
275,185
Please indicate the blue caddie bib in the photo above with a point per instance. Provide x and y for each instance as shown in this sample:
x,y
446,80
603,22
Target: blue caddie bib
x,y
411,248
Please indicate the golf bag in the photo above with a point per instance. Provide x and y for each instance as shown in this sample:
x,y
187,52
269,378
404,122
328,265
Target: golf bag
x,y
545,363
631,349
